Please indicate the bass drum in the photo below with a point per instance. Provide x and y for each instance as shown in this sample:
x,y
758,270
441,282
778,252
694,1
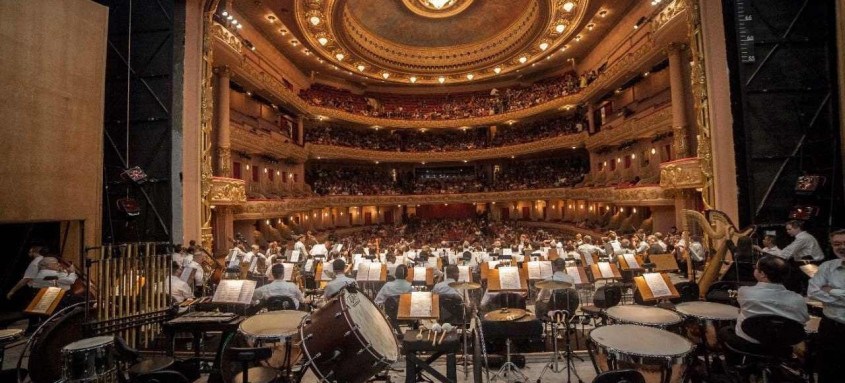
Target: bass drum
x,y
348,340
45,345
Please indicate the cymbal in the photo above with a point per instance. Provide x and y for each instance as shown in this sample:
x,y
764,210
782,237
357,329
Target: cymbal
x,y
553,285
464,285
506,315
809,269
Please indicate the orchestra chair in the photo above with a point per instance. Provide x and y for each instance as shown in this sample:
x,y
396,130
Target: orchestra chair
x,y
688,291
452,310
620,376
777,336
161,377
253,355
280,302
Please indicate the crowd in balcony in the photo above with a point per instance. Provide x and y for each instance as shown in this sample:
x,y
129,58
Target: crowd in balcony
x,y
406,140
352,181
445,107
541,174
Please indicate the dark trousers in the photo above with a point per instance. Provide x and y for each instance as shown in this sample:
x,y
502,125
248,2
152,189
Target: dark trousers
x,y
829,351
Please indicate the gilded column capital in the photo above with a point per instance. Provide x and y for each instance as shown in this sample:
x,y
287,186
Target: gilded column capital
x,y
223,71
224,161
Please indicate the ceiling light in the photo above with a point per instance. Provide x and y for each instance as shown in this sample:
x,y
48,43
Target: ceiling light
x,y
412,79
385,75
340,56
590,26
544,45
578,38
294,42
271,18
230,17
438,4
497,70
523,59
567,6
602,13
441,79
283,31
560,27
323,40
646,74
564,48
361,67
470,76
314,20
225,13
240,26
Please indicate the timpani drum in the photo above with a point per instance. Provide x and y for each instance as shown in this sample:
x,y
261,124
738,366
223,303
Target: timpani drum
x,y
707,318
659,355
277,330
348,340
10,335
643,316
89,360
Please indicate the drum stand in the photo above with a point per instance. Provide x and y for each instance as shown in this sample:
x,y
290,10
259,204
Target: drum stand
x,y
509,367
568,354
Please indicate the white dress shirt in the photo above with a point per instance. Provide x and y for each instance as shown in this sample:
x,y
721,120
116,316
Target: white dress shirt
x,y
65,280
561,276
279,288
335,285
178,289
774,250
32,269
393,288
303,252
769,299
831,273
443,288
804,245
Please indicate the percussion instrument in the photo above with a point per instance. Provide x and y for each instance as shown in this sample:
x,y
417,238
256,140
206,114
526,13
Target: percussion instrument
x,y
464,285
643,316
553,285
659,355
349,339
709,318
507,315
204,317
10,335
45,345
277,329
90,360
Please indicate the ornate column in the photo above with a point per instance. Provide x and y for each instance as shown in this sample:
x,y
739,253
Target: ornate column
x,y
224,142
300,130
591,121
680,123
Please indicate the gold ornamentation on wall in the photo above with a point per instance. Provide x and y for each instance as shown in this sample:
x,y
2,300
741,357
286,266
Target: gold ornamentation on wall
x,y
668,13
655,123
224,162
221,33
206,113
698,78
227,191
682,174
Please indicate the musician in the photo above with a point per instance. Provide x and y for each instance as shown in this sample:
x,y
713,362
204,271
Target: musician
x,y
254,257
828,286
236,255
300,245
558,274
804,247
279,287
37,253
51,273
587,249
190,261
443,288
178,289
769,246
767,297
340,279
395,287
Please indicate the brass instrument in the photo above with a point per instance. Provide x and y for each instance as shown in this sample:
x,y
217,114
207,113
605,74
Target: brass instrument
x,y
718,230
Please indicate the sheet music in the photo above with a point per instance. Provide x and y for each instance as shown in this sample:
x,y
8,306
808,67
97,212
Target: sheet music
x,y
509,278
229,290
657,285
463,274
507,251
309,265
186,275
453,258
411,255
606,271
247,291
419,274
631,260
47,299
575,274
432,262
539,269
319,249
288,271
420,304
327,275
234,262
492,264
337,248
374,273
294,256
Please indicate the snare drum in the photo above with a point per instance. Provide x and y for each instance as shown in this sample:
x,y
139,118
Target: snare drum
x,y
278,330
89,360
348,339
10,335
659,355
644,316
707,318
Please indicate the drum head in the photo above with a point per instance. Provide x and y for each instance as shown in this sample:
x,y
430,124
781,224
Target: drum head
x,y
10,334
641,341
708,310
645,315
89,343
45,359
374,327
272,324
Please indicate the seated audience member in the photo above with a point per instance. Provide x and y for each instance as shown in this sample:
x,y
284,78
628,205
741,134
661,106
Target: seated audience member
x,y
395,287
178,289
828,286
544,295
279,287
51,273
340,280
443,288
767,297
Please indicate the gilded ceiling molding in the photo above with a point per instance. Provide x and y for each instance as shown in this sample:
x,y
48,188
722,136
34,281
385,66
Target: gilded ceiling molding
x,y
668,13
640,196
227,191
228,38
684,173
425,9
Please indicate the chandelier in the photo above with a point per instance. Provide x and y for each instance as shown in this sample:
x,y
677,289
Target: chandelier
x,y
438,4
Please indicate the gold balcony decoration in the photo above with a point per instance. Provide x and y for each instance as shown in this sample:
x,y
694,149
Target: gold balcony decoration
x,y
638,196
228,38
669,13
684,173
227,191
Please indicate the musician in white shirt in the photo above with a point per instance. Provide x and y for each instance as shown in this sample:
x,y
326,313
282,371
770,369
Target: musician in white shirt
x,y
279,287
178,289
769,246
340,280
48,268
37,253
452,275
544,295
828,286
300,245
395,287
767,297
804,247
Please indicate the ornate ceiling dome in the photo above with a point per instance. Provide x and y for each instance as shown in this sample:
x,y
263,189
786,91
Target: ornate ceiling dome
x,y
436,41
